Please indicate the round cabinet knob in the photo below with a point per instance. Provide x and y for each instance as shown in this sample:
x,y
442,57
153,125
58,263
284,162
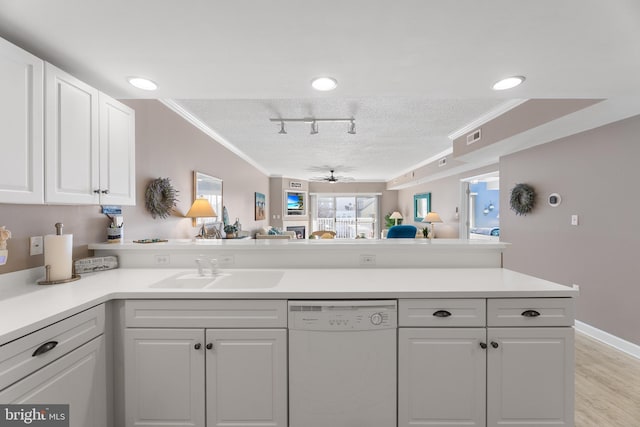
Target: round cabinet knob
x,y
198,346
376,318
494,344
209,346
483,345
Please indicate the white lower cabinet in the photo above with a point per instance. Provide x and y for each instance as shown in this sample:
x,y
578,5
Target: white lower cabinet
x,y
63,363
206,377
441,377
530,379
76,379
485,376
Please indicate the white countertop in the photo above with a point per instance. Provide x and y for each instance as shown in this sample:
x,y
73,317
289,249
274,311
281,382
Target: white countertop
x,y
26,306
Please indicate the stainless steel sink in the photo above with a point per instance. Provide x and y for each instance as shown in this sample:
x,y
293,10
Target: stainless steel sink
x,y
242,279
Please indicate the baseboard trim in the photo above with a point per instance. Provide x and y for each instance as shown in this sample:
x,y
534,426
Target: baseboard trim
x,y
611,340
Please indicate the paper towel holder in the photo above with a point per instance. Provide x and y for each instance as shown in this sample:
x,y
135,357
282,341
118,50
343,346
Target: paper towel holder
x,y
47,280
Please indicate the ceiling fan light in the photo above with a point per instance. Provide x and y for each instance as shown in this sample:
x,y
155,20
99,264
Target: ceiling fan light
x,y
142,83
508,83
324,84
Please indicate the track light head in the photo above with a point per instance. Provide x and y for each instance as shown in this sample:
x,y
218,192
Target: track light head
x,y
314,128
352,128
282,131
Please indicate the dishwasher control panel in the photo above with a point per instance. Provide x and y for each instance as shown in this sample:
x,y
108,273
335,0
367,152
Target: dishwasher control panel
x,y
348,315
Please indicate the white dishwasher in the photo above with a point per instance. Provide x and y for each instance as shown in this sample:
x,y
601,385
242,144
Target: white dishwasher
x,y
342,363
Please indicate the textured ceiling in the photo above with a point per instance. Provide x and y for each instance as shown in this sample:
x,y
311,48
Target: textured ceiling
x,y
393,134
409,71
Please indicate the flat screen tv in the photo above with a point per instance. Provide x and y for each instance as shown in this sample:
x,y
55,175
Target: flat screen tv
x,y
296,203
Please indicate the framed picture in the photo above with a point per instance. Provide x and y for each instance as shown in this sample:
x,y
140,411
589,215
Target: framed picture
x,y
261,204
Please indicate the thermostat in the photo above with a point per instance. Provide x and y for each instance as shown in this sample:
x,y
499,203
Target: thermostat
x,y
554,199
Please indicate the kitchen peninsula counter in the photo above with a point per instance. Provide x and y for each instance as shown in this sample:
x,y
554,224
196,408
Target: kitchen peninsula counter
x,y
26,306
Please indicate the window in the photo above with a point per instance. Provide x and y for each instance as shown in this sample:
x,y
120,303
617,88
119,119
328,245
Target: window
x,y
351,216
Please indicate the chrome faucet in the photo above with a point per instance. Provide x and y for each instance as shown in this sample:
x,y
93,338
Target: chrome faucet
x,y
213,263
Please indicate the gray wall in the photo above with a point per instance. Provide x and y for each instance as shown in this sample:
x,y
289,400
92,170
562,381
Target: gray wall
x,y
595,174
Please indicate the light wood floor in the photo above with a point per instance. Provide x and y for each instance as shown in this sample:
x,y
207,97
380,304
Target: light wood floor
x,y
607,386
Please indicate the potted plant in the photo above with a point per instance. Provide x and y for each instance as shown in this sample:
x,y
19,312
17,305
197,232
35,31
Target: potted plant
x,y
390,222
230,231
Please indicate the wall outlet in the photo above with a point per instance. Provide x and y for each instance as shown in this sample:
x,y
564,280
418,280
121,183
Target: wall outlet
x,y
574,219
367,260
35,245
162,260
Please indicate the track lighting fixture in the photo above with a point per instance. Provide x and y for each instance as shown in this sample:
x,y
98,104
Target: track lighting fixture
x,y
314,124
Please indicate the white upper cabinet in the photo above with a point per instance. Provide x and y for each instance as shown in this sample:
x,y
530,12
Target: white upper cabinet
x,y
21,134
71,133
117,153
90,144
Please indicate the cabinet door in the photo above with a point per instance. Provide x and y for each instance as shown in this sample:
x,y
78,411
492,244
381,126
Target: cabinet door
x,y
246,377
21,134
77,379
441,377
164,377
71,139
117,153
530,379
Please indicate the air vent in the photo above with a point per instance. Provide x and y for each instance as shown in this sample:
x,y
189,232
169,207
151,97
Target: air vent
x,y
474,137
442,162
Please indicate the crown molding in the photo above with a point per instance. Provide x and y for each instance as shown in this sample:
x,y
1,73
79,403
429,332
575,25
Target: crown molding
x,y
182,112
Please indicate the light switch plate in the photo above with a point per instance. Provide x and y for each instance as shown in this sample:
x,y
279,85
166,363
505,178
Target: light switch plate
x,y
35,245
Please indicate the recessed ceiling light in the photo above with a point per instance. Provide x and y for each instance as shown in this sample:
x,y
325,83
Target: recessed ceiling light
x,y
142,83
324,83
508,83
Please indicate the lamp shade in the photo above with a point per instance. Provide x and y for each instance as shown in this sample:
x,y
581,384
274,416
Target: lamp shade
x,y
396,215
201,208
432,217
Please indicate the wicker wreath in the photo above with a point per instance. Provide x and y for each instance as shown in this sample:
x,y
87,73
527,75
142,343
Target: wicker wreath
x,y
523,199
160,197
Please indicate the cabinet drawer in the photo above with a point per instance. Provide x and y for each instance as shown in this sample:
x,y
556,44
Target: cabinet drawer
x,y
17,358
530,312
442,312
206,313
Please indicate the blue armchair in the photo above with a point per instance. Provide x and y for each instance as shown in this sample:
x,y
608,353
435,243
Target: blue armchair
x,y
402,232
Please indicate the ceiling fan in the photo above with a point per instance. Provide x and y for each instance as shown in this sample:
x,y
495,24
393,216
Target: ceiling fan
x,y
332,179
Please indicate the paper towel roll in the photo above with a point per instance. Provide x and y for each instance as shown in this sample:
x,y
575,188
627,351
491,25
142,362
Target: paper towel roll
x,y
57,254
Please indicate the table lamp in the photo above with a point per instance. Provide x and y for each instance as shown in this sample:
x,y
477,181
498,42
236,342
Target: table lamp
x,y
396,215
431,218
201,208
